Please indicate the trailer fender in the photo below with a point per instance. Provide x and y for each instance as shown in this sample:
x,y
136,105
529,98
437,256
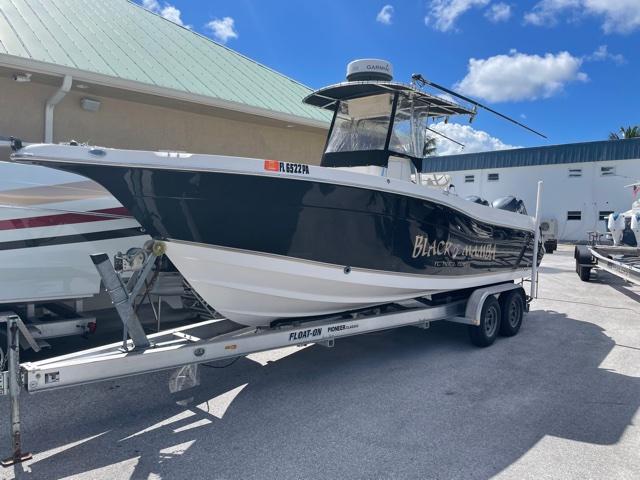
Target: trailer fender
x,y
473,311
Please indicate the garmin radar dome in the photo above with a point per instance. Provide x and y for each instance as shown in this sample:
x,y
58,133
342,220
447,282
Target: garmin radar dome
x,y
369,69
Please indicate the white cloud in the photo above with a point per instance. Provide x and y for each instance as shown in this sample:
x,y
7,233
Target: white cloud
x,y
546,12
472,139
618,16
518,76
152,5
498,12
167,11
384,16
222,29
442,14
172,14
602,53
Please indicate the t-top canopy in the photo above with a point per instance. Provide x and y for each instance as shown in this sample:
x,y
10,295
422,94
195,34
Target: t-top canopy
x,y
328,97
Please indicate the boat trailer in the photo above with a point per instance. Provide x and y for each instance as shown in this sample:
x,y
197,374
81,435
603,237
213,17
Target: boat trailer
x,y
218,339
488,311
621,261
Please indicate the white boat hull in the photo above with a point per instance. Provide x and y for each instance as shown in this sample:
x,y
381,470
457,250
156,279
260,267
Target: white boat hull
x,y
254,289
45,240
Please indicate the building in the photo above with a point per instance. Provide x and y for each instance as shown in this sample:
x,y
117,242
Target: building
x,y
111,73
114,74
583,182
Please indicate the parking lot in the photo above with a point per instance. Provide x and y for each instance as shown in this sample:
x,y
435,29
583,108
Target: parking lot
x,y
559,400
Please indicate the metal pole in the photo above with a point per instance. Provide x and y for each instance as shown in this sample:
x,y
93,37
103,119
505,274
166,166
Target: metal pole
x,y
536,240
14,383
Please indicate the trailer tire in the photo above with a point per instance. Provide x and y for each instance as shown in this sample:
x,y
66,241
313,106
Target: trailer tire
x,y
485,334
512,306
584,273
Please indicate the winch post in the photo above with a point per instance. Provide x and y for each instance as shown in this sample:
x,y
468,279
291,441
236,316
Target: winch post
x,y
13,385
536,240
121,298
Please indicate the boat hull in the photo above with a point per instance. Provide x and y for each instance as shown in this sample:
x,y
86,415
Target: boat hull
x,y
255,288
260,240
50,222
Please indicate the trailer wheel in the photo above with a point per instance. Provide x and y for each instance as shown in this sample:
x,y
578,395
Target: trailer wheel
x,y
512,307
485,334
584,273
584,262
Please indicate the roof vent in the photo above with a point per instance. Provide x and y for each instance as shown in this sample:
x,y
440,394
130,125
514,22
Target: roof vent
x,y
369,69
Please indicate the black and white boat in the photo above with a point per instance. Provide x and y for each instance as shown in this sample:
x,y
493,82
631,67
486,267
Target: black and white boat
x,y
261,240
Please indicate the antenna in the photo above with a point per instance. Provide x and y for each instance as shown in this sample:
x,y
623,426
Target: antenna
x,y
416,77
444,136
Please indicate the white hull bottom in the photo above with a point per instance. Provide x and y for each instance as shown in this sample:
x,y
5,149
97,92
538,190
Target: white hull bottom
x,y
253,289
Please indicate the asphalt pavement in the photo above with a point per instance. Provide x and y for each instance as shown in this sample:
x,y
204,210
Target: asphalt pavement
x,y
559,400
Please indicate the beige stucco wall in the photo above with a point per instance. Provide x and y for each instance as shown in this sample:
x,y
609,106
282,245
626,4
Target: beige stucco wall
x,y
129,124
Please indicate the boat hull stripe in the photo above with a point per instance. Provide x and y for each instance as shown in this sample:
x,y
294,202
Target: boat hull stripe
x,y
66,239
63,219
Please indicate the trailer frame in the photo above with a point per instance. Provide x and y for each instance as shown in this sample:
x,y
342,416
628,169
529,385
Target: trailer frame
x,y
620,261
217,339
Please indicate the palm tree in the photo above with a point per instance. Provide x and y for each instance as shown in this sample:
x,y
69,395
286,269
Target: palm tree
x,y
629,132
429,147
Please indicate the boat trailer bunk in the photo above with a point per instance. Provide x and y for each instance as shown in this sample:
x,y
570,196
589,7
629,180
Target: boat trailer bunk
x,y
621,261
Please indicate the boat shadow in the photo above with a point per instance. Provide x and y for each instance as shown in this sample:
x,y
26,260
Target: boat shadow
x,y
405,403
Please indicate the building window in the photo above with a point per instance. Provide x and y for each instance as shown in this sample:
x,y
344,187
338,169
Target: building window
x,y
574,215
607,171
575,172
469,178
604,214
493,177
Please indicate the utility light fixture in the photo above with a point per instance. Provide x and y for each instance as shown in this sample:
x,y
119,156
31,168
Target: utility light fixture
x,y
22,77
90,104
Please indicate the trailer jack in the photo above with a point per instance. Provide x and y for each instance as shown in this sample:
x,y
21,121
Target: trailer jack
x,y
11,384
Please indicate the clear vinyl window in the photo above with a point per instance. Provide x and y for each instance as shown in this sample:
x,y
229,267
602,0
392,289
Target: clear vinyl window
x,y
361,124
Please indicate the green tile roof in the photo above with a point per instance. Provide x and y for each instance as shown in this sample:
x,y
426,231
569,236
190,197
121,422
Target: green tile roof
x,y
120,39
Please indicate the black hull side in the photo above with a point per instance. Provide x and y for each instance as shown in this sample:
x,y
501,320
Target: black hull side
x,y
311,220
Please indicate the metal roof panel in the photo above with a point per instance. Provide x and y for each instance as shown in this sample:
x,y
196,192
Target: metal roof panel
x,y
121,39
600,151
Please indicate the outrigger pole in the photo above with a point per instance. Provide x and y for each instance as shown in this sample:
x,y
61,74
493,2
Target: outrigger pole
x,y
417,77
444,136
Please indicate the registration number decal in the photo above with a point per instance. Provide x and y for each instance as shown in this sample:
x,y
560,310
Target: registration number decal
x,y
286,167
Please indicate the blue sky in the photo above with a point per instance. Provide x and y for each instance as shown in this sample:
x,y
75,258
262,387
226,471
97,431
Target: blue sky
x,y
569,68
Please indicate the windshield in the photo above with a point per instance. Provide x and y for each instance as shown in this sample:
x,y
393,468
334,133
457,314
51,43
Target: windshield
x,y
361,124
409,127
